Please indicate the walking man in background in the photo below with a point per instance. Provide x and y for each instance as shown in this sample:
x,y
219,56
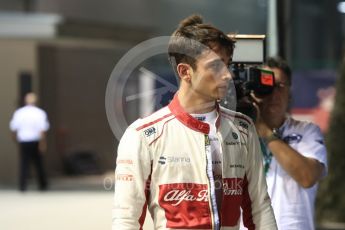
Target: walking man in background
x,y
295,157
29,125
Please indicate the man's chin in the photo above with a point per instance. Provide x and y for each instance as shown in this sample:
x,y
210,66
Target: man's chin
x,y
219,97
221,94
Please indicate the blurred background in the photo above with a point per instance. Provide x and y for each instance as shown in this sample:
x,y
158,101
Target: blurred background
x,y
66,50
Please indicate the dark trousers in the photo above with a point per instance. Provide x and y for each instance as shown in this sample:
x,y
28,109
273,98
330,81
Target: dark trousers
x,y
30,154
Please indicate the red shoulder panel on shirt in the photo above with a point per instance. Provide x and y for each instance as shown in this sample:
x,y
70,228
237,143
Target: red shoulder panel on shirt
x,y
153,122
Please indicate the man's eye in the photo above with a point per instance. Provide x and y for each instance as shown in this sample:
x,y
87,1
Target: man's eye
x,y
217,65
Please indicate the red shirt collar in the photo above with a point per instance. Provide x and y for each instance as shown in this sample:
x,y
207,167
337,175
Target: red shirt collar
x,y
189,121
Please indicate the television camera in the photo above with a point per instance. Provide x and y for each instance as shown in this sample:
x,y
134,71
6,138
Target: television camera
x,y
247,76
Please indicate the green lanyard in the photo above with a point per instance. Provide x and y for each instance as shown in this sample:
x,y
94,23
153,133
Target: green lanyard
x,y
267,156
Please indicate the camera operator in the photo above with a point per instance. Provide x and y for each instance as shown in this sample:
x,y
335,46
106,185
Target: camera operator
x,y
295,157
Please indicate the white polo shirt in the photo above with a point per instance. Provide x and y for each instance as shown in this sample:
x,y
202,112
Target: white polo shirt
x,y
293,205
28,122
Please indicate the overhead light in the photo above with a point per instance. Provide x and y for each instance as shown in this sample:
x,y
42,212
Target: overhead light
x,y
341,7
29,25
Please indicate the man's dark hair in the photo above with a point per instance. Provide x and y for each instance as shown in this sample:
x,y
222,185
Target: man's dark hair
x,y
280,63
192,38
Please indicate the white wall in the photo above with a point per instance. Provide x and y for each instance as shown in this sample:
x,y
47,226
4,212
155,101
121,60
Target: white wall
x,y
15,56
133,12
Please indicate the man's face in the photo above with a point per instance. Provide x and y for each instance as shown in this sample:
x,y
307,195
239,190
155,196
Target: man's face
x,y
211,77
276,104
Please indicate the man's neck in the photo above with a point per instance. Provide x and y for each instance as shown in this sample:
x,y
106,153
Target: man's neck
x,y
193,104
275,121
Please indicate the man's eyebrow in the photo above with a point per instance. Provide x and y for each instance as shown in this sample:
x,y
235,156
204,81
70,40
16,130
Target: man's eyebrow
x,y
215,61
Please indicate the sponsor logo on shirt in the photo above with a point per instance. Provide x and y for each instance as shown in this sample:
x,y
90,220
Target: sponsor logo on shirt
x,y
320,141
243,124
207,140
173,160
237,166
148,132
176,197
232,142
203,118
124,161
293,138
216,162
186,205
162,160
124,177
233,186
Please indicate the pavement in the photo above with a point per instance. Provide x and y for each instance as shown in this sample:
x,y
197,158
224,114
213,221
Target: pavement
x,y
55,210
71,203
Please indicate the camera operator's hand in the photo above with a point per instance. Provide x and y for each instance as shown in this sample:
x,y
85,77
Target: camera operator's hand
x,y
261,126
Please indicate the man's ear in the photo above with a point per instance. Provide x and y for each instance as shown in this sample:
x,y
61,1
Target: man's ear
x,y
184,71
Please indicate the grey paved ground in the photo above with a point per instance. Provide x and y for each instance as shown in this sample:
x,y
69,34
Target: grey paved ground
x,y
77,203
56,210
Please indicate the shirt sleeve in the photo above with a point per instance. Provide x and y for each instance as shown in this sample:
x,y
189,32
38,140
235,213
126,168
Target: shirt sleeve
x,y
256,205
132,182
312,145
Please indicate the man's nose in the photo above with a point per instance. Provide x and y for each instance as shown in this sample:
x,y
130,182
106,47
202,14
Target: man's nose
x,y
276,94
226,74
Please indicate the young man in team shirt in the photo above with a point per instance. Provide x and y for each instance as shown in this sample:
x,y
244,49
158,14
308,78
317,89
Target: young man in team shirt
x,y
193,163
